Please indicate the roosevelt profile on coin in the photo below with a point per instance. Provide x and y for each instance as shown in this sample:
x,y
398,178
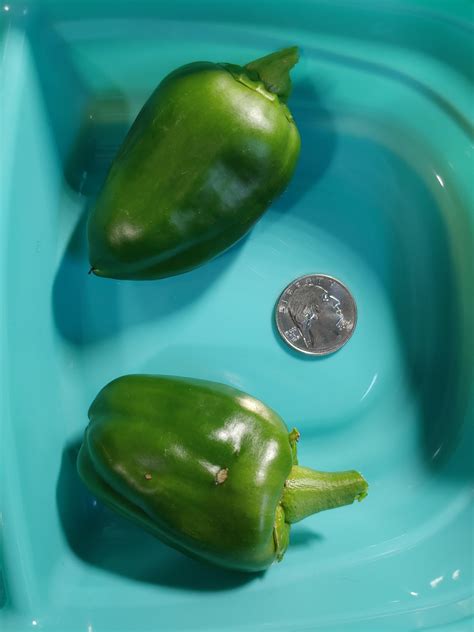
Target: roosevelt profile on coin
x,y
316,314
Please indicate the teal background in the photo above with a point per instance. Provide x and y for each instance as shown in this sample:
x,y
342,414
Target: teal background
x,y
382,199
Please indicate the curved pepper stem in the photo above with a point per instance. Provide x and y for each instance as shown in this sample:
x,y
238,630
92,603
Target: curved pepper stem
x,y
274,70
307,491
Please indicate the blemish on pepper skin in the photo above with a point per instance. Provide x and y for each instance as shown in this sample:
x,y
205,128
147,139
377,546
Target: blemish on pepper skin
x,y
148,476
222,475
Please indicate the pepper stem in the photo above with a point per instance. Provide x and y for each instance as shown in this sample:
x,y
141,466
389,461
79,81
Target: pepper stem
x,y
274,70
307,491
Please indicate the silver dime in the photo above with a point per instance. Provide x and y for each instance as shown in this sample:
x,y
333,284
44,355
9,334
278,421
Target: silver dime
x,y
316,314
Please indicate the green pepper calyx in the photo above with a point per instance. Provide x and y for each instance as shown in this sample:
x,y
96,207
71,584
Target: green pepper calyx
x,y
308,491
274,71
269,75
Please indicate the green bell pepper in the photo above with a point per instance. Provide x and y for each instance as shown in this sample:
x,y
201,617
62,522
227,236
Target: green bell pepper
x,y
204,467
212,147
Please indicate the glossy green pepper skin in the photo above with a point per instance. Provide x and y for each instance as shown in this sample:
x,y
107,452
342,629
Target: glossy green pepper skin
x,y
213,146
206,468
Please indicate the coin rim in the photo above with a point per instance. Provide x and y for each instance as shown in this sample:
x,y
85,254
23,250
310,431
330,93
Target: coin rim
x,y
292,345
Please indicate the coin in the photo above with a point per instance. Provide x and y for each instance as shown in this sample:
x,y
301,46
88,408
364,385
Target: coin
x,y
316,314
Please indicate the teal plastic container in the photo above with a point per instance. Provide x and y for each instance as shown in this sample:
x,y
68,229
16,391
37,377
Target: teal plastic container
x,y
382,199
